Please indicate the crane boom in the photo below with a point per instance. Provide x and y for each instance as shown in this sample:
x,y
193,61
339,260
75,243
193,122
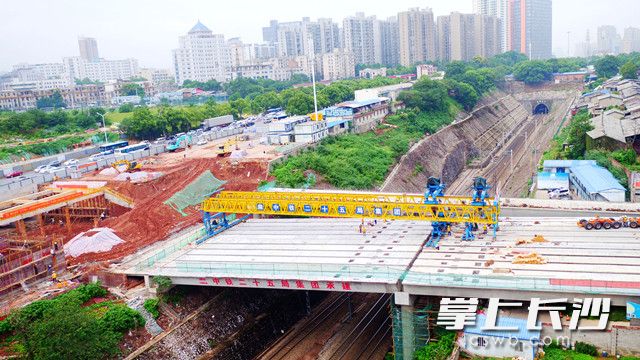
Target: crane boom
x,y
453,209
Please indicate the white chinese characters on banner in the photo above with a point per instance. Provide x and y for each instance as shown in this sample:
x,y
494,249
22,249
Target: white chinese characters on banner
x,y
456,313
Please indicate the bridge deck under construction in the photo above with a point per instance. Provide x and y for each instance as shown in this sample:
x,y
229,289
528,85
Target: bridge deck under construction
x,y
568,259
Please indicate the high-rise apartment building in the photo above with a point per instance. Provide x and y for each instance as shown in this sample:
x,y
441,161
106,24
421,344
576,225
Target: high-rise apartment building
x,y
338,64
608,41
88,49
497,8
201,56
389,41
329,36
359,34
465,36
417,34
529,27
270,33
631,40
290,39
103,70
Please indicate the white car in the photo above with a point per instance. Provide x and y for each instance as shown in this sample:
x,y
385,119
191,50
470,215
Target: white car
x,y
40,168
47,169
201,142
70,162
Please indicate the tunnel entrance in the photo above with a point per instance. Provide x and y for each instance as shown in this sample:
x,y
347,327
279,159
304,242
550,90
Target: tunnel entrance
x,y
540,109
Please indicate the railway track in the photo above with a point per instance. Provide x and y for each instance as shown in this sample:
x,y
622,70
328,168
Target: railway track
x,y
300,337
330,334
364,338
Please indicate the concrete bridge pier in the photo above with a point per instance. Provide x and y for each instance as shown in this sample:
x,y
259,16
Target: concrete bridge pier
x,y
403,326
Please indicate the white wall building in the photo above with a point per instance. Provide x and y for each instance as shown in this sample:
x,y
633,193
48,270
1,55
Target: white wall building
x,y
201,56
338,64
103,70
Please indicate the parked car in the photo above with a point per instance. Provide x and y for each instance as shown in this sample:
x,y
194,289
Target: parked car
x,y
14,173
47,169
202,142
39,168
70,162
55,163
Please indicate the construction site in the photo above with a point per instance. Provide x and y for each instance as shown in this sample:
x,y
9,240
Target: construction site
x,y
322,274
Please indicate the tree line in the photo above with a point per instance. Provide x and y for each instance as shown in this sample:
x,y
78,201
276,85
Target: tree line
x,y
146,123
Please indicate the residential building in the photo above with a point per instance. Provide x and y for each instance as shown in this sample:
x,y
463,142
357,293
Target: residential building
x,y
102,70
425,70
74,97
240,53
27,72
570,77
498,9
631,40
338,64
270,33
290,41
584,48
329,34
88,49
608,41
529,27
359,34
389,41
201,56
162,80
371,73
465,36
265,51
417,34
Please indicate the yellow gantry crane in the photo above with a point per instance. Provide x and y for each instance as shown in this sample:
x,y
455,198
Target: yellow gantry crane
x,y
440,210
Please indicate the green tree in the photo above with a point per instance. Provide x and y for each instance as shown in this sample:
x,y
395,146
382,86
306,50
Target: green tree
x,y
607,66
66,331
125,108
576,135
463,93
130,89
455,69
426,94
54,101
532,71
629,70
300,104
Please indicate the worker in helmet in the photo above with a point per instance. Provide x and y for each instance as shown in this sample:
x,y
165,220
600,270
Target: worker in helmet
x,y
54,277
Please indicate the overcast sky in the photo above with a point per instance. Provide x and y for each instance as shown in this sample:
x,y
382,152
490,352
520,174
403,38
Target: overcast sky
x,y
46,30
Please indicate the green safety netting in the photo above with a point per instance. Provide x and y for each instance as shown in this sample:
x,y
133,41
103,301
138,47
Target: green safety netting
x,y
194,193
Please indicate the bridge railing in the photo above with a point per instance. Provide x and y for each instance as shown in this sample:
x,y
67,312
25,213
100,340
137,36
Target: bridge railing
x,y
178,244
585,286
365,273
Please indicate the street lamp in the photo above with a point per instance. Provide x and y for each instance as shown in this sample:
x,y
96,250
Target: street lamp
x,y
104,128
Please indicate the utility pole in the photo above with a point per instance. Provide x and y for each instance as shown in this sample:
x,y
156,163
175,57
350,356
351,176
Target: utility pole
x,y
511,159
313,78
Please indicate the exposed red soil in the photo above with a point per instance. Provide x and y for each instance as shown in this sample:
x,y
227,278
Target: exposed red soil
x,y
150,220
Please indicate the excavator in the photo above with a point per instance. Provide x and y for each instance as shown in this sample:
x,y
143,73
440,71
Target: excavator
x,y
131,166
227,148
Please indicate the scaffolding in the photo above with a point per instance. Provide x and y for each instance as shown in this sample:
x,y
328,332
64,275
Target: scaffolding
x,y
411,327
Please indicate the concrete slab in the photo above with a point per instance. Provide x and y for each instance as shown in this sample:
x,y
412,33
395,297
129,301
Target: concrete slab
x,y
576,260
298,249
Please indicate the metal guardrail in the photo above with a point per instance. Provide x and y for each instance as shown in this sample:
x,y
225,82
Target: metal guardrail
x,y
521,283
178,244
